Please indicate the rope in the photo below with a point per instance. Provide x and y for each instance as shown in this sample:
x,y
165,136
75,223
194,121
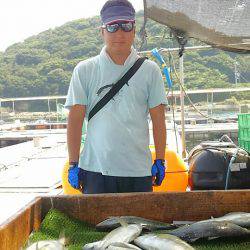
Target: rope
x,y
190,101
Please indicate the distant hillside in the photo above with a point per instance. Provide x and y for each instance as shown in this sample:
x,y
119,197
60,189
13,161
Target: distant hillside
x,y
42,64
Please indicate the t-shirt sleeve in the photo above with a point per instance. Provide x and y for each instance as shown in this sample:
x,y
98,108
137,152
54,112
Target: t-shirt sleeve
x,y
77,88
157,93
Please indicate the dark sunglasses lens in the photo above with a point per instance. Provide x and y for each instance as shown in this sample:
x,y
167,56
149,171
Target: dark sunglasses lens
x,y
127,27
112,27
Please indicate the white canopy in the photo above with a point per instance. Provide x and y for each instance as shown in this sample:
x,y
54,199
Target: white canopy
x,y
221,23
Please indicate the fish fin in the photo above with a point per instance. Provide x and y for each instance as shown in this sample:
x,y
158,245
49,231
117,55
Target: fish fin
x,y
212,238
27,245
191,240
122,221
93,245
62,239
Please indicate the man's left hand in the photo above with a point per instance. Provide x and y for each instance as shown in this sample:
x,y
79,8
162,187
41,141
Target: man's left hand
x,y
158,172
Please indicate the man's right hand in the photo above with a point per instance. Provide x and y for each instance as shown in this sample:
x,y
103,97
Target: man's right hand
x,y
73,175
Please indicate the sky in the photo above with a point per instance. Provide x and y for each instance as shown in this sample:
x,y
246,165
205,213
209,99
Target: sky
x,y
20,19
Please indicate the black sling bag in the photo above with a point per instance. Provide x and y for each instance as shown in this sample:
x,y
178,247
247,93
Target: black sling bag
x,y
116,87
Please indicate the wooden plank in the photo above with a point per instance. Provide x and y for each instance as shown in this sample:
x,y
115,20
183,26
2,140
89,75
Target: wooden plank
x,y
192,206
15,232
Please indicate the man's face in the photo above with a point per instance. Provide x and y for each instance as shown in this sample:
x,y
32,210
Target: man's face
x,y
120,40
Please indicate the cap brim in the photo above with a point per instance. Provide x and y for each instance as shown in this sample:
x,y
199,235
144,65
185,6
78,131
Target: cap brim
x,y
119,20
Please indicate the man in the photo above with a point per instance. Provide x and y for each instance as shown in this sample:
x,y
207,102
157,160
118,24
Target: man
x,y
116,156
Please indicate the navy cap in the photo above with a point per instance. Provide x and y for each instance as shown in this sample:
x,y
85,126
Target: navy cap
x,y
117,10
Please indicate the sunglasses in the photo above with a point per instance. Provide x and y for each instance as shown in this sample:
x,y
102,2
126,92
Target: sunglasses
x,y
112,28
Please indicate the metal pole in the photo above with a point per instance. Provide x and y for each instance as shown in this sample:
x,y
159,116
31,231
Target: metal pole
x,y
57,119
235,73
183,139
207,103
49,114
212,103
13,107
1,114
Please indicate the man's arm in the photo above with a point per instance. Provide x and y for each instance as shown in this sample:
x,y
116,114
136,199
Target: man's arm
x,y
74,131
159,130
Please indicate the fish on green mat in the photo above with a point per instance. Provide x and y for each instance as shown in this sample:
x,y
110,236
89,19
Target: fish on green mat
x,y
209,229
122,246
49,244
125,233
151,225
77,231
166,242
239,218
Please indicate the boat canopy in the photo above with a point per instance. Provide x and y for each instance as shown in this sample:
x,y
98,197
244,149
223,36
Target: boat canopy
x,y
223,24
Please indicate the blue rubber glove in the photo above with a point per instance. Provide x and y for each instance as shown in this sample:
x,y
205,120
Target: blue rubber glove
x,y
158,172
73,176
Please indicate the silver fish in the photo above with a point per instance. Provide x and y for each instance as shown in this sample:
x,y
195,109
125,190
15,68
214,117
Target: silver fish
x,y
47,245
239,218
112,223
209,229
125,233
50,244
122,246
154,242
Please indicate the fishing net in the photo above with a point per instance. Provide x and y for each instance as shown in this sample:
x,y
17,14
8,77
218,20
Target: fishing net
x,y
224,24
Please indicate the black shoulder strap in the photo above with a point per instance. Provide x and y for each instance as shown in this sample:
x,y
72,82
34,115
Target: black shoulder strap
x,y
116,87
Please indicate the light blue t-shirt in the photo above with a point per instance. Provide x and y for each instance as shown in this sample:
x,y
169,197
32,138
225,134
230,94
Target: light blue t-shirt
x,y
117,141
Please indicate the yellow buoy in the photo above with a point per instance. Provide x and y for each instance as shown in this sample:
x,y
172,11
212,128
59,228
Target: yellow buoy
x,y
176,175
67,188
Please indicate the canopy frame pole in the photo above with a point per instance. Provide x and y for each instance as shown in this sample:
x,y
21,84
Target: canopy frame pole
x,y
1,113
182,38
183,138
49,114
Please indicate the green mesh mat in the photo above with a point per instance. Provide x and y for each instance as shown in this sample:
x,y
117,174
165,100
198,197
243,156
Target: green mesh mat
x,y
80,233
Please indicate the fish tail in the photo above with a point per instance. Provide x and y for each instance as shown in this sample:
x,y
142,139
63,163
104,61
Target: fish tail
x,y
122,221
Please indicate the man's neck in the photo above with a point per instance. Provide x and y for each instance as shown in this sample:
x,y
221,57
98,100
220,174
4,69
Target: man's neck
x,y
118,58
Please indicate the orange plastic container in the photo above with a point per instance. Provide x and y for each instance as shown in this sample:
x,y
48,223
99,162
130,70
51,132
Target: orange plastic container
x,y
176,175
176,178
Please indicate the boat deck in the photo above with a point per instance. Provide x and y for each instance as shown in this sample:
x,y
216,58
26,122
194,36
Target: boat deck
x,y
31,168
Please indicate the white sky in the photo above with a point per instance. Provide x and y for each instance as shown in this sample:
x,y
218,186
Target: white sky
x,y
20,19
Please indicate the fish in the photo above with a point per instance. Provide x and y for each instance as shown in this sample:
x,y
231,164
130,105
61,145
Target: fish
x,y
209,229
239,218
47,245
166,242
122,246
125,233
50,244
151,225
